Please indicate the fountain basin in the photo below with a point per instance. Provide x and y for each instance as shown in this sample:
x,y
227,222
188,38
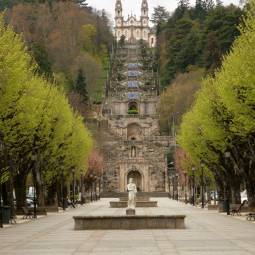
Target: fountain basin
x,y
129,222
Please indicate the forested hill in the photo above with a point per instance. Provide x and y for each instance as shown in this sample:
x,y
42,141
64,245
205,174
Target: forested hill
x,y
195,36
70,42
192,42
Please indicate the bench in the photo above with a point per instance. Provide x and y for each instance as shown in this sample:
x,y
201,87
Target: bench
x,y
238,210
27,214
251,216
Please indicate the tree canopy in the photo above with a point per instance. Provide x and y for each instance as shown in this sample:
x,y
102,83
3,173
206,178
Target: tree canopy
x,y
38,125
222,119
197,36
63,38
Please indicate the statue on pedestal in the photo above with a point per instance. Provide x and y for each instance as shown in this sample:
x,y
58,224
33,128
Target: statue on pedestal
x,y
131,187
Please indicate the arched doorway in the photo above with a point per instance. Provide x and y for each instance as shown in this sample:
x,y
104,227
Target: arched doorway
x,y
137,179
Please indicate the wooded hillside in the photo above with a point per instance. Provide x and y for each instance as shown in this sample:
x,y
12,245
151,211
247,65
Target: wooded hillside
x,y
69,41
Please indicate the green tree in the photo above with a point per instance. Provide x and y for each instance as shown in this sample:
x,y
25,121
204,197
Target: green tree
x,y
81,86
198,36
159,17
42,135
42,59
222,119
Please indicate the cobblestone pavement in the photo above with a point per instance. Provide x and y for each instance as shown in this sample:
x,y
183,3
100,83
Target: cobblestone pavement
x,y
207,233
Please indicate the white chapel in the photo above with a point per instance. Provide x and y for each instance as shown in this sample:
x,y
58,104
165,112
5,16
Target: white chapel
x,y
134,29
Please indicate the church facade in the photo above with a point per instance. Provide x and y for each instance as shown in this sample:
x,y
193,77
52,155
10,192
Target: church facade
x,y
134,29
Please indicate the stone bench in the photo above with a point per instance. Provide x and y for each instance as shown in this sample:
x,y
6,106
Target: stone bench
x,y
213,207
39,211
244,209
124,204
129,222
52,209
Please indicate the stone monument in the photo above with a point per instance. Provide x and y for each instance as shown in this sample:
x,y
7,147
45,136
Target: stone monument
x,y
131,187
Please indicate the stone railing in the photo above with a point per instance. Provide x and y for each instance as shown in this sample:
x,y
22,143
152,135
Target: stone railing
x,y
132,116
160,139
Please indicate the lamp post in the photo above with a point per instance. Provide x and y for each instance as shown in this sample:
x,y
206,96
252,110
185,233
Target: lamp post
x,y
95,187
177,186
91,188
203,187
73,188
227,155
34,190
171,187
193,184
62,190
1,150
99,187
170,171
35,213
185,185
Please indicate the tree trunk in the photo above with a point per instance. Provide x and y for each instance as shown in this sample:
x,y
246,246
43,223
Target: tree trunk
x,y
221,198
38,183
236,194
52,199
5,193
208,192
20,190
13,213
251,194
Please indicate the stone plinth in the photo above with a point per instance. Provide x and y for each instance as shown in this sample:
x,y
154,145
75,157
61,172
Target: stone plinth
x,y
129,222
138,199
140,204
213,207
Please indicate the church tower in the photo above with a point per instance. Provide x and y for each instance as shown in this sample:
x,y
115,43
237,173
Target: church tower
x,y
145,9
145,20
118,13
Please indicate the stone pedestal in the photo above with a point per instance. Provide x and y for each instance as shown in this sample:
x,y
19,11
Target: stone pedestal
x,y
130,212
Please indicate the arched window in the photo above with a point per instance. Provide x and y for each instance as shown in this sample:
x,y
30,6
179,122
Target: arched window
x,y
133,108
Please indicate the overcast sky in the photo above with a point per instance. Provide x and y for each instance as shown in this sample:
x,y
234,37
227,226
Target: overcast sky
x,y
134,6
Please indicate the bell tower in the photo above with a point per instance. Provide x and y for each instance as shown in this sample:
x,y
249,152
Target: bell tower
x,y
118,13
145,13
145,8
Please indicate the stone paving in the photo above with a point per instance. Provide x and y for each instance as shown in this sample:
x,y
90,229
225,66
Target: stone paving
x,y
207,233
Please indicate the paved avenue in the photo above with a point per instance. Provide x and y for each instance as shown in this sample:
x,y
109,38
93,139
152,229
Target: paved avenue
x,y
207,233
